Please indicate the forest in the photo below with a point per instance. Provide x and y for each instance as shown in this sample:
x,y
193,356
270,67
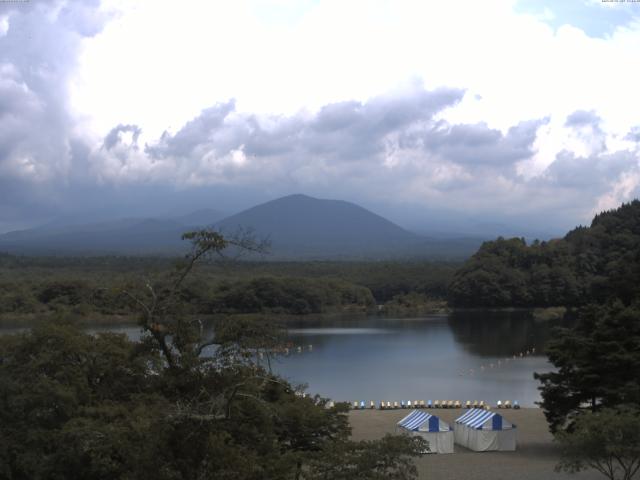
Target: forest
x,y
33,288
590,264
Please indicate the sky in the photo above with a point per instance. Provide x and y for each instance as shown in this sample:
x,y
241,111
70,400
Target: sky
x,y
438,115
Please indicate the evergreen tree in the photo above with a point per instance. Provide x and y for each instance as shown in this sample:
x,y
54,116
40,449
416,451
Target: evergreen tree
x,y
597,364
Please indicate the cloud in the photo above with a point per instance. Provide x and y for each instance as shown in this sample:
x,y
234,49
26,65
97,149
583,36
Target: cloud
x,y
594,173
633,135
44,151
115,136
582,118
586,125
38,139
391,146
222,145
477,145
333,115
597,18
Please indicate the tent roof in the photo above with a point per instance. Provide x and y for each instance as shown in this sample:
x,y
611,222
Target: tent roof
x,y
417,420
484,420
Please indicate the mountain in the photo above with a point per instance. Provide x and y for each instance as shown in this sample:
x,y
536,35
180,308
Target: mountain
x,y
298,226
120,236
126,236
200,218
301,224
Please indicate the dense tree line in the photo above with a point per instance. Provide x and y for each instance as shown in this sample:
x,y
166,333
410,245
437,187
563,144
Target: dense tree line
x,y
289,295
589,264
32,288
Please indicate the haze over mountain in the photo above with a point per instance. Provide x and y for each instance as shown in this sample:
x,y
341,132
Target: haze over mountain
x,y
120,236
298,226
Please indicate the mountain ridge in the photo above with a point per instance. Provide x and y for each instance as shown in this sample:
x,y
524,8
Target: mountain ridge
x,y
300,227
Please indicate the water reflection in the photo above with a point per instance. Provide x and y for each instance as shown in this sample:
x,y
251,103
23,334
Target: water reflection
x,y
336,331
503,333
465,355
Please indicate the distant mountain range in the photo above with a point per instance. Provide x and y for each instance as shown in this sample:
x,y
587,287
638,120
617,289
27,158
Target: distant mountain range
x,y
298,226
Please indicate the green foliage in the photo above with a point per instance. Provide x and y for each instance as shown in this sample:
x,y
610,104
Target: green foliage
x,y
588,264
73,405
607,441
32,288
597,364
387,459
413,303
66,400
289,295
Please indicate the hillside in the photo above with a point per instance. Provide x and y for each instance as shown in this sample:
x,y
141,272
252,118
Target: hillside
x,y
299,228
590,264
298,225
123,236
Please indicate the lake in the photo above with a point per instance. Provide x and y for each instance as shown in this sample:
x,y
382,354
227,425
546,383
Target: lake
x,y
464,355
459,356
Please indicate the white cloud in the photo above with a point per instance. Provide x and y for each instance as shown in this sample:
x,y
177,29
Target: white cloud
x,y
310,80
172,59
4,25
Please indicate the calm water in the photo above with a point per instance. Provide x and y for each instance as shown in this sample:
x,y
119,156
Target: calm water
x,y
434,357
420,359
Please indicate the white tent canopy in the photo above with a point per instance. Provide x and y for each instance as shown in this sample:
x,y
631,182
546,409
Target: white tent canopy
x,y
483,430
431,428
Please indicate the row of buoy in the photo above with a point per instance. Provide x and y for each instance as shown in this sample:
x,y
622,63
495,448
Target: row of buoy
x,y
290,350
362,405
500,362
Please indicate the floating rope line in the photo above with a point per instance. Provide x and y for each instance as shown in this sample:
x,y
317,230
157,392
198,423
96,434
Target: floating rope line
x,y
499,363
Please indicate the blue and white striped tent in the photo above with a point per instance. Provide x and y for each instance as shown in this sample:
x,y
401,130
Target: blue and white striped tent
x,y
484,430
431,428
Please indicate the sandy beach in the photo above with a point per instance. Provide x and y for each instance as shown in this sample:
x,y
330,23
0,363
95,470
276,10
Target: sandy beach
x,y
535,457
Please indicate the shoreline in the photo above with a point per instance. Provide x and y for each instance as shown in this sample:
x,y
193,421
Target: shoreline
x,y
534,459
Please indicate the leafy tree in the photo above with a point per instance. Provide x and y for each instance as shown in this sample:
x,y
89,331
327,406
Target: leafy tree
x,y
597,364
69,402
176,405
388,459
607,441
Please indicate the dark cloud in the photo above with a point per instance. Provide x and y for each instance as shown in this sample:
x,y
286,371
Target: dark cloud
x,y
594,173
114,137
38,53
340,132
587,126
633,135
206,132
477,145
583,118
